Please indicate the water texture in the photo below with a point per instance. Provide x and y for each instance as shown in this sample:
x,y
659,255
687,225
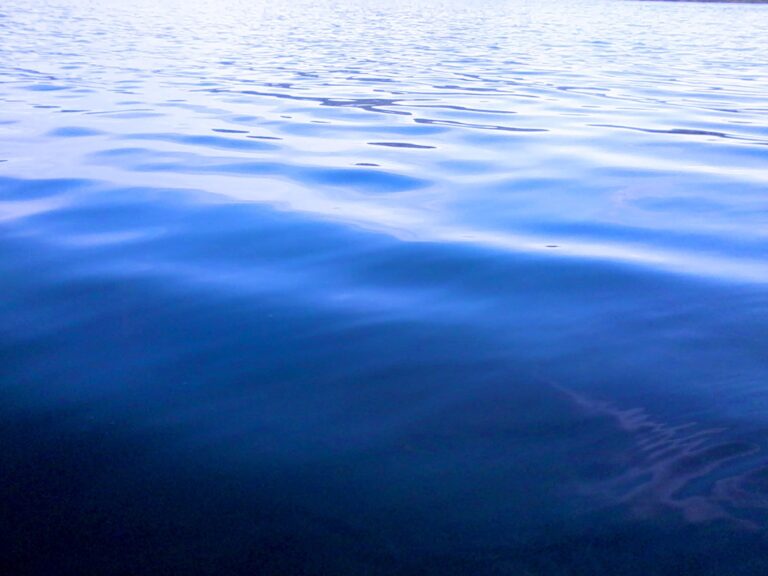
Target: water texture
x,y
383,288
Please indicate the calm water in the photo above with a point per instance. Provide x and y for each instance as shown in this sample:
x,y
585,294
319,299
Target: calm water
x,y
383,288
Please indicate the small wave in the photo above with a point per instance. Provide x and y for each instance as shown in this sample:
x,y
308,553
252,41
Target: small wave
x,y
672,461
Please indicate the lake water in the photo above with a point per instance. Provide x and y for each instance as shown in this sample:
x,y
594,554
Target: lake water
x,y
378,287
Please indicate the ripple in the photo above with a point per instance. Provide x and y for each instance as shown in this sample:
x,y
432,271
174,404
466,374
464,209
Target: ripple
x,y
367,181
673,460
684,132
402,145
204,141
74,132
45,87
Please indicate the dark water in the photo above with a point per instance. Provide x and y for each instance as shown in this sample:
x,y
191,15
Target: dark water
x,y
383,288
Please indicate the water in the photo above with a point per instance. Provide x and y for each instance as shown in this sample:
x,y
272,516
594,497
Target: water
x,y
368,287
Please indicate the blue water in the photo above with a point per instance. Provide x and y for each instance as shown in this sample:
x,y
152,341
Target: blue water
x,y
383,288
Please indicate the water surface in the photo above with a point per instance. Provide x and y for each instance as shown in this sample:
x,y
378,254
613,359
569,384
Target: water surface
x,y
368,287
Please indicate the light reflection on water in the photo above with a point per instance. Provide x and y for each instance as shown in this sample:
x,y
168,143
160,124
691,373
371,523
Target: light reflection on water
x,y
384,288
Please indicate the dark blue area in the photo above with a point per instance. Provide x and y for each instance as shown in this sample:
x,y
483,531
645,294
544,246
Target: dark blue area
x,y
202,399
